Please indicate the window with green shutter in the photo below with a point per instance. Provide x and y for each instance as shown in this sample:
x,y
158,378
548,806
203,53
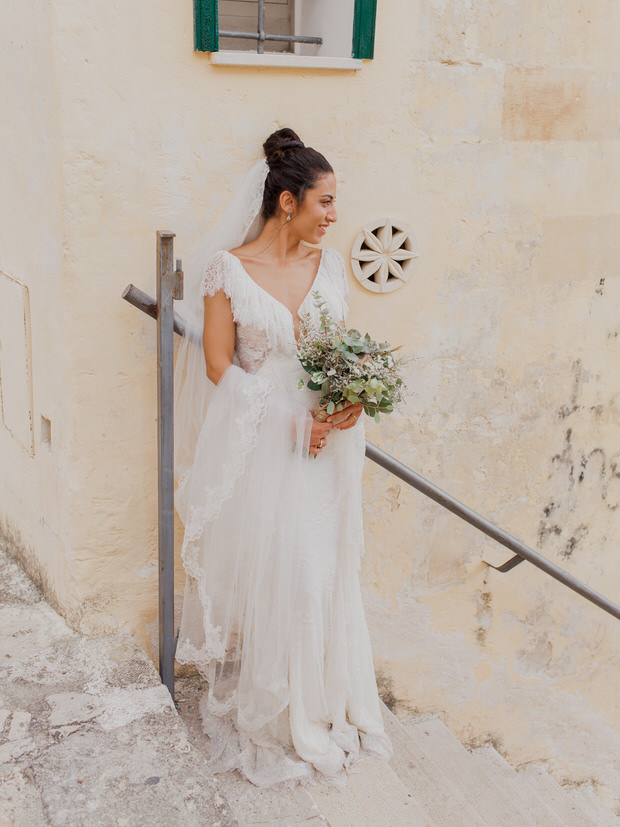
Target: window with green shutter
x,y
308,28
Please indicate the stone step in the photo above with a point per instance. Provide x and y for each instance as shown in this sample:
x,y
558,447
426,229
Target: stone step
x,y
277,808
88,734
557,798
537,808
436,790
491,801
249,805
373,791
414,790
592,804
373,795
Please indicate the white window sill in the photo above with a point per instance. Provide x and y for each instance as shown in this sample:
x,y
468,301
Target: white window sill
x,y
224,58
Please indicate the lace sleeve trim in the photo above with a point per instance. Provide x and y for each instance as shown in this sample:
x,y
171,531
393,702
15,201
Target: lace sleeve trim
x,y
216,276
337,270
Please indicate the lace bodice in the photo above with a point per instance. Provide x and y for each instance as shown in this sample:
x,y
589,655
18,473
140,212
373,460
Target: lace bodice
x,y
264,326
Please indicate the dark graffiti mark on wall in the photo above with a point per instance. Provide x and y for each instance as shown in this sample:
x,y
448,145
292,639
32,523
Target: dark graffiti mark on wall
x,y
573,405
578,535
580,470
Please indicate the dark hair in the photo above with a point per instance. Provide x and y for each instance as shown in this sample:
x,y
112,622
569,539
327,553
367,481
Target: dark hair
x,y
293,167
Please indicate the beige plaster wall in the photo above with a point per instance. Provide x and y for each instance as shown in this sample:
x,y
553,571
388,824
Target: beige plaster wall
x,y
35,477
490,128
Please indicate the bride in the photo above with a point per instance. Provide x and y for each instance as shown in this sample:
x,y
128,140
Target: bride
x,y
271,497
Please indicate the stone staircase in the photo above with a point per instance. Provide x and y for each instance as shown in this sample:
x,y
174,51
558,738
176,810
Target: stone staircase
x,y
432,780
90,738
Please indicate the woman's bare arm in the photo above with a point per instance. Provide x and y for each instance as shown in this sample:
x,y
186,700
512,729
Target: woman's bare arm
x,y
218,337
218,340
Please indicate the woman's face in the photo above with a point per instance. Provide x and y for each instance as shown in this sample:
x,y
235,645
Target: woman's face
x,y
317,211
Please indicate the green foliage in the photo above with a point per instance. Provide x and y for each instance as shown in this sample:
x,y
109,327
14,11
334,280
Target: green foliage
x,y
347,366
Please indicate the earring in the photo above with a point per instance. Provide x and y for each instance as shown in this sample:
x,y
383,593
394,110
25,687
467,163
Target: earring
x,y
289,216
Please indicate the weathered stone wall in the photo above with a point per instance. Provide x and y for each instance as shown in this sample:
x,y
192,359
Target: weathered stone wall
x,y
509,116
492,129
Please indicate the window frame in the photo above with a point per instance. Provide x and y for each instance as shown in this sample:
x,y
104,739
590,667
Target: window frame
x,y
206,28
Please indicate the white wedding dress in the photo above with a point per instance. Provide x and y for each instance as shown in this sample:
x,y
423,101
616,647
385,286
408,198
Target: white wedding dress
x,y
272,615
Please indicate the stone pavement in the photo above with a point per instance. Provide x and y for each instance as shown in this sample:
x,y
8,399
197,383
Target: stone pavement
x,y
88,735
90,738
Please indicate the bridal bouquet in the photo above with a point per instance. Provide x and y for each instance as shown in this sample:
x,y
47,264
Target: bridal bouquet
x,y
347,367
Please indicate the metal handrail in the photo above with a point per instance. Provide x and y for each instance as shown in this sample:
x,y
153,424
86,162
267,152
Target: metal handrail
x,y
522,552
147,304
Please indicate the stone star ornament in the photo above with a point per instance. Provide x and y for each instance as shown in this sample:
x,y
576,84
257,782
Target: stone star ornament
x,y
384,255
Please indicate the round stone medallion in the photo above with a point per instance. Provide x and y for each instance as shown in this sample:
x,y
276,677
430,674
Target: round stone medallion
x,y
384,255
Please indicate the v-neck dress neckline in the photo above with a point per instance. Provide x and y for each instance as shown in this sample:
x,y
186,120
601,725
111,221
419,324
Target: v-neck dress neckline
x,y
277,301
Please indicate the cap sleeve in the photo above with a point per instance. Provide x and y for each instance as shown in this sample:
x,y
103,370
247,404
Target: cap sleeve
x,y
338,273
216,276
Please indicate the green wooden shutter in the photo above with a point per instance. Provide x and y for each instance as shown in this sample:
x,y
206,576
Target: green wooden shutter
x,y
364,28
206,37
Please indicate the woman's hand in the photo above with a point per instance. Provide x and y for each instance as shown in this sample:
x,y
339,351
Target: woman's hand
x,y
318,435
347,417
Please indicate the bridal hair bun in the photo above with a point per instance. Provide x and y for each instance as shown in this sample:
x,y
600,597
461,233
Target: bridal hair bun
x,y
293,167
278,143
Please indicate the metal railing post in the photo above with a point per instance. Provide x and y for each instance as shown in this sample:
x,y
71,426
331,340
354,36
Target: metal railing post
x,y
169,287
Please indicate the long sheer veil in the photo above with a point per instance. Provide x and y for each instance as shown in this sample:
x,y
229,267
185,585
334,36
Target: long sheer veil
x,y
241,222
241,448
